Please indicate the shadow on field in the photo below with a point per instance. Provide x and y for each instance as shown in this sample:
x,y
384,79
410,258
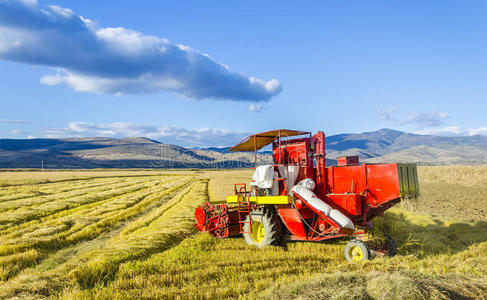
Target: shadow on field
x,y
423,236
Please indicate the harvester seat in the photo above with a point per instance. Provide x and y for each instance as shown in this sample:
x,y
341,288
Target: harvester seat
x,y
263,177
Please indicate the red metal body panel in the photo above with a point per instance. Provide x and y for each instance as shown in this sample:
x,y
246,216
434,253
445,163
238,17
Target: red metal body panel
x,y
292,220
383,183
318,140
341,180
379,183
294,153
350,204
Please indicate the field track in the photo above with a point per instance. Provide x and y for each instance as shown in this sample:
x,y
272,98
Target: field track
x,y
129,234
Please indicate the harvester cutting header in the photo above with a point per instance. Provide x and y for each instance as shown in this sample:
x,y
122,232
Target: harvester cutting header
x,y
299,198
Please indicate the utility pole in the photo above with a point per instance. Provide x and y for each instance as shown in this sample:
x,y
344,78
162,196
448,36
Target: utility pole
x,y
42,165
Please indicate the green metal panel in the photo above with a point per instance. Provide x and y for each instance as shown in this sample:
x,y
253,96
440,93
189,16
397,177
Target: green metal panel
x,y
412,179
416,179
399,176
408,180
405,179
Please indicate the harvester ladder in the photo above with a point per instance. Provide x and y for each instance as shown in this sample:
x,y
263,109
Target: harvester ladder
x,y
243,209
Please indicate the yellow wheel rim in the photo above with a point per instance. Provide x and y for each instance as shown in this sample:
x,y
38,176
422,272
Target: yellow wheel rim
x,y
258,231
356,253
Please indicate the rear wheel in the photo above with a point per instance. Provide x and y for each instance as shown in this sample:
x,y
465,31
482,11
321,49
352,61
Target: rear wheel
x,y
265,229
356,251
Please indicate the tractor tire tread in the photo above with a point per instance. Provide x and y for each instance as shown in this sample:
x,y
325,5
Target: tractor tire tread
x,y
272,225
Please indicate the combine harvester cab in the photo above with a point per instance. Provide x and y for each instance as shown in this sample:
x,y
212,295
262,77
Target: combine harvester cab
x,y
299,198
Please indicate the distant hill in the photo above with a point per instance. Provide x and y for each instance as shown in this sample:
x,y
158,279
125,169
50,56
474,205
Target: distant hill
x,y
384,145
75,153
387,145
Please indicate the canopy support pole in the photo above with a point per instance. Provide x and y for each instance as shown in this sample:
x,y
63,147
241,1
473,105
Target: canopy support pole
x,y
255,150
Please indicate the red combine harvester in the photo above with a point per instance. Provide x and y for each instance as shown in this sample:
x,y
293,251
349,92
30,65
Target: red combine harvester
x,y
299,198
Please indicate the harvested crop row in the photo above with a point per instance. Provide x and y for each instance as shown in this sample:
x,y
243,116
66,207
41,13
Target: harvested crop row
x,y
123,215
22,192
101,224
78,217
35,179
212,268
53,276
205,267
61,194
98,198
71,193
35,212
79,220
380,285
145,220
68,216
170,227
12,264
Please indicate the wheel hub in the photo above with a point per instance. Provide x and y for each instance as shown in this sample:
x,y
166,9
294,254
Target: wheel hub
x,y
258,231
356,253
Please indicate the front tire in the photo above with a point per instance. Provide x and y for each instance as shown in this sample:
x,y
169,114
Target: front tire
x,y
356,251
266,228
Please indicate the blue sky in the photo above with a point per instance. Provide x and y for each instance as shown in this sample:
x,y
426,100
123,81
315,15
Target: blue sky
x,y
96,68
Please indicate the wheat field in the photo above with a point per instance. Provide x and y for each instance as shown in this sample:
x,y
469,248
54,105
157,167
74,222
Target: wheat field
x,y
128,234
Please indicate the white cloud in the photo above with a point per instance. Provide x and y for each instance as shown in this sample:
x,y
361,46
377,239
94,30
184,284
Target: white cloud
x,y
144,84
7,121
200,137
60,11
387,115
53,79
255,108
454,131
80,126
478,131
18,132
420,119
29,2
425,119
116,60
429,123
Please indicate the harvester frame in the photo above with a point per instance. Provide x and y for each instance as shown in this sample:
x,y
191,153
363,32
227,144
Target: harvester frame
x,y
304,200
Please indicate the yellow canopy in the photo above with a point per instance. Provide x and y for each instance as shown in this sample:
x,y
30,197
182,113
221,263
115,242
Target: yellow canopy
x,y
265,138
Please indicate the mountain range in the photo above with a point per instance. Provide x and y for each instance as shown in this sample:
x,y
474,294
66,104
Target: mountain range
x,y
385,145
